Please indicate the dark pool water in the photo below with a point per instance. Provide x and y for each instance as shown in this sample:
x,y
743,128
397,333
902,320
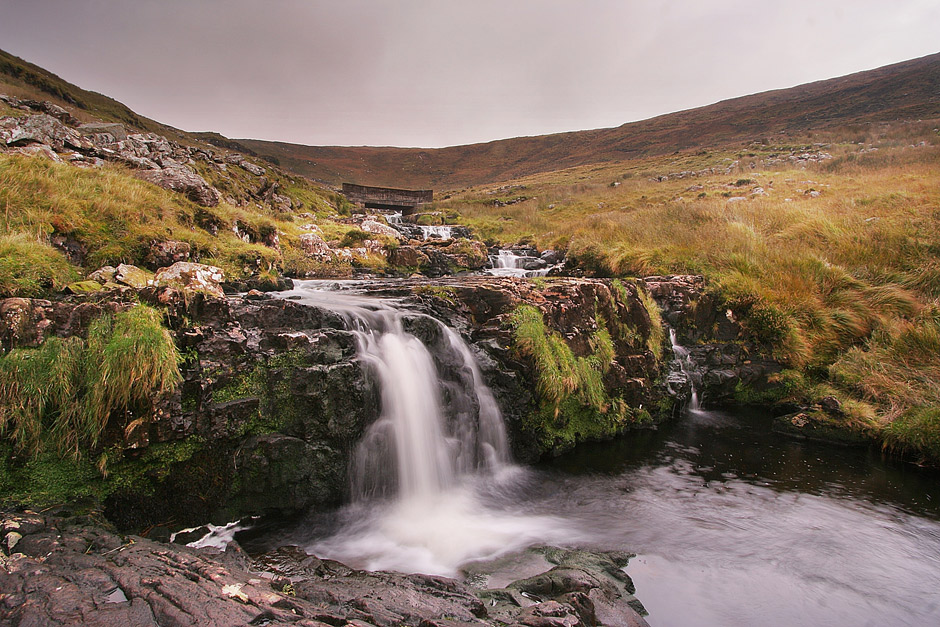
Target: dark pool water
x,y
736,525
732,524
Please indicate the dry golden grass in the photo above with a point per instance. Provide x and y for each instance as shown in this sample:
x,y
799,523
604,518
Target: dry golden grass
x,y
835,263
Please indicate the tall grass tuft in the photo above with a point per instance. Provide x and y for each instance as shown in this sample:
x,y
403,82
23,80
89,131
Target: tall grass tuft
x,y
63,394
561,375
30,267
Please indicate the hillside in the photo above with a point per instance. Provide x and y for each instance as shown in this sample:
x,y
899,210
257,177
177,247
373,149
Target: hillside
x,y
908,90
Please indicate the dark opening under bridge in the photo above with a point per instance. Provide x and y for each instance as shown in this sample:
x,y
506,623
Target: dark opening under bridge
x,y
404,200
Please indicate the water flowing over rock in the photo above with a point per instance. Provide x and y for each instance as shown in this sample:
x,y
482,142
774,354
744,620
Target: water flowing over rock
x,y
726,365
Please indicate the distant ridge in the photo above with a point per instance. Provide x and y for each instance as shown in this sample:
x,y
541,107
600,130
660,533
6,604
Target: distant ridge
x,y
903,91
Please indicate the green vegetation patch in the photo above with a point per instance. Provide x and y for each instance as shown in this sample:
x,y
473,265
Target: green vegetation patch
x,y
62,395
574,405
30,267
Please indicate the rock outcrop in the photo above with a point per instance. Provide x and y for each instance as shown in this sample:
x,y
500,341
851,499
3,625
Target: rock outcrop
x,y
68,571
729,365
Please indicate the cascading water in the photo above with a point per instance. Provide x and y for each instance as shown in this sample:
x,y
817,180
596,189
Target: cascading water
x,y
509,263
432,479
437,231
685,366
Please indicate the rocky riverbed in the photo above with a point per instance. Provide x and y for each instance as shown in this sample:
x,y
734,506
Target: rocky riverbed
x,y
67,570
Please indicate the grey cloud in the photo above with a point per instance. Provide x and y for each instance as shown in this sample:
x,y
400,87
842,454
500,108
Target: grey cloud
x,y
434,72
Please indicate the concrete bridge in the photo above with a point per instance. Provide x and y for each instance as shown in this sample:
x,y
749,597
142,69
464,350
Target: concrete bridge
x,y
404,200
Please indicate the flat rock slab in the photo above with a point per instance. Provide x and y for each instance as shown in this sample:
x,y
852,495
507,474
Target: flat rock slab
x,y
70,571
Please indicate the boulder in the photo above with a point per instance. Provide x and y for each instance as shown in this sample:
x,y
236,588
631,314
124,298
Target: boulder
x,y
377,228
314,246
167,252
408,257
132,276
41,129
105,274
180,178
192,277
115,130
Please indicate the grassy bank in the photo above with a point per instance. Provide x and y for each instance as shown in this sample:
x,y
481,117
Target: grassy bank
x,y
834,261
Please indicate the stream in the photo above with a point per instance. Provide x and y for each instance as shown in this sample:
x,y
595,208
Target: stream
x,y
732,524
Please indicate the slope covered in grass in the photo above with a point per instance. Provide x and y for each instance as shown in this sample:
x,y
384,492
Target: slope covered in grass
x,y
829,253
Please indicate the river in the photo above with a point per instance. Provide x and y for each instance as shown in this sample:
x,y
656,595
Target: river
x,y
732,524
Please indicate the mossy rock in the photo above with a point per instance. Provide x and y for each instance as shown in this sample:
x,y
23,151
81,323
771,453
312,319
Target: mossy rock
x,y
83,287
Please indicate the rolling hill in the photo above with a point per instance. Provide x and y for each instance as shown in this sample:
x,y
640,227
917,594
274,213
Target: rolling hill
x,y
904,91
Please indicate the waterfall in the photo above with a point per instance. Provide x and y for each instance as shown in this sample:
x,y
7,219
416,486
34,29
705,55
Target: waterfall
x,y
685,367
508,263
425,475
437,231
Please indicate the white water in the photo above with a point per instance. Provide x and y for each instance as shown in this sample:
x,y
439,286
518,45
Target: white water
x,y
508,263
437,231
433,485
685,364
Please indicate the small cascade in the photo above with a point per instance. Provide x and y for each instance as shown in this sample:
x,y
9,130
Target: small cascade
x,y
438,231
425,475
686,367
393,218
508,262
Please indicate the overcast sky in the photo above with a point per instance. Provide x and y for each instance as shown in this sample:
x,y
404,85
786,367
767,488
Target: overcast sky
x,y
443,72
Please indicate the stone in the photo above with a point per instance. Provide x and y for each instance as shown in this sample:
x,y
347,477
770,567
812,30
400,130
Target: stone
x,y
167,252
132,276
41,129
313,245
180,178
377,228
408,257
114,129
105,274
192,277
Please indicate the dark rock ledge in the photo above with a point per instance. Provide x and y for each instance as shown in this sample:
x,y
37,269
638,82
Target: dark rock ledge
x,y
77,570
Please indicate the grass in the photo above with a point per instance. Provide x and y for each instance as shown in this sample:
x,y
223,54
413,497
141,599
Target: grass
x,y
115,218
31,267
839,284
573,402
64,394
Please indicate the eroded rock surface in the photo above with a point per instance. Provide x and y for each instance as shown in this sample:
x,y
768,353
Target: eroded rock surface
x,y
76,570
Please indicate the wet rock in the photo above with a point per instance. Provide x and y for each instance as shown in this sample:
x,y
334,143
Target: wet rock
x,y
286,475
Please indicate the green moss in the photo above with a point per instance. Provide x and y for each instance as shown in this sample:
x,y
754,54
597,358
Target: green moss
x,y
574,404
46,479
155,464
